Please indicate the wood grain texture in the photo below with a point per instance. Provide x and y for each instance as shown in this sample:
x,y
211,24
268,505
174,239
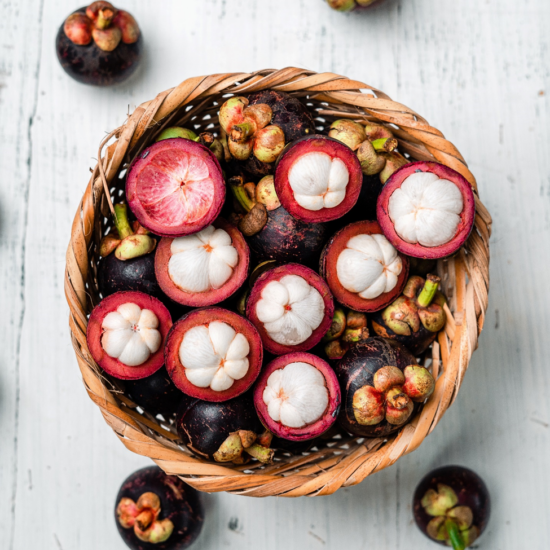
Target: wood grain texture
x,y
475,70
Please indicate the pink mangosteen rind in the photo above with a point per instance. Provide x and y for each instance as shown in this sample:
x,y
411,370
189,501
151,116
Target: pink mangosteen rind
x,y
328,261
94,333
213,296
204,316
335,149
314,429
467,216
144,160
312,279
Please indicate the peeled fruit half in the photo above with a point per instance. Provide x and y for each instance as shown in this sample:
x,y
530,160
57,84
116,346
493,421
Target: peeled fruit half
x,y
297,397
126,334
213,354
363,270
318,179
426,210
175,187
292,308
204,268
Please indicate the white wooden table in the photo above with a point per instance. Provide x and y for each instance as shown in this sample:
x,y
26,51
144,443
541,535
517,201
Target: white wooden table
x,y
477,70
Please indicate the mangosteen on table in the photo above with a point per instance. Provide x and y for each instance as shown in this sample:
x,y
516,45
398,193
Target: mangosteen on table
x,y
382,386
154,510
426,210
126,334
292,308
99,45
451,506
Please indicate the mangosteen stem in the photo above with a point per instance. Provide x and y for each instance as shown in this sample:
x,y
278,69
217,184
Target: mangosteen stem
x,y
385,144
455,537
243,132
239,192
428,292
121,221
104,18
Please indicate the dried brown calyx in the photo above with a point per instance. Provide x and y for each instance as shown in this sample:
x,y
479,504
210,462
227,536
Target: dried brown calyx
x,y
347,330
251,214
240,446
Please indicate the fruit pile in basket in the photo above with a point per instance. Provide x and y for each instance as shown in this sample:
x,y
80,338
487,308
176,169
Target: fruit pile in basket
x,y
268,283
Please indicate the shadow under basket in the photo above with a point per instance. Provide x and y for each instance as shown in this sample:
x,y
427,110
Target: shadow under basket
x,y
340,460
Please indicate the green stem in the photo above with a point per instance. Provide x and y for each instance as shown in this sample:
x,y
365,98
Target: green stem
x,y
239,192
243,132
385,144
455,537
428,292
121,221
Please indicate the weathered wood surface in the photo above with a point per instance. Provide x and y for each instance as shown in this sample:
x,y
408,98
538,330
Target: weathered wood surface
x,y
479,71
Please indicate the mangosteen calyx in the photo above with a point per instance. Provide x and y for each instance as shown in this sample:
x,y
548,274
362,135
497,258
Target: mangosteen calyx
x,y
255,216
143,517
345,332
233,449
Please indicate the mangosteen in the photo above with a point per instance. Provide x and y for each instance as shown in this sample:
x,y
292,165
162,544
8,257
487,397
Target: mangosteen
x,y
426,210
223,432
451,506
99,45
292,308
205,268
156,394
155,510
415,318
363,270
175,187
126,334
352,5
318,179
213,354
297,396
382,386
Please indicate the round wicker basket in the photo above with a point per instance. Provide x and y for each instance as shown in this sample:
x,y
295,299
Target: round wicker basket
x,y
341,460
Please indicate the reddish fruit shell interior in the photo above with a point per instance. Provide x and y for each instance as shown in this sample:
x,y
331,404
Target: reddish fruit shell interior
x,y
214,296
333,148
467,217
312,430
330,256
144,159
205,316
94,333
274,275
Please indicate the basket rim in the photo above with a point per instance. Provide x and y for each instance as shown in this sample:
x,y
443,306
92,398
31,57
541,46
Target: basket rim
x,y
465,276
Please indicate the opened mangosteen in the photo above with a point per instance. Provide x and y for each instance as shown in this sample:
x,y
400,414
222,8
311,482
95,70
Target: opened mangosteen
x,y
223,432
363,270
126,334
415,318
318,179
297,396
175,187
204,268
426,210
292,308
213,354
382,386
352,5
154,510
99,45
452,506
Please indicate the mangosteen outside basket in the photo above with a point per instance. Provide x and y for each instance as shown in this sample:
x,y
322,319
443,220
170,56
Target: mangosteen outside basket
x,y
340,460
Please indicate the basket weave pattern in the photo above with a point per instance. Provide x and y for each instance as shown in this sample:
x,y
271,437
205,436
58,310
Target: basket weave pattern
x,y
340,461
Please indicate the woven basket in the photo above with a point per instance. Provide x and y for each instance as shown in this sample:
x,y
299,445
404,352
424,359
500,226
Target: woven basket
x,y
340,460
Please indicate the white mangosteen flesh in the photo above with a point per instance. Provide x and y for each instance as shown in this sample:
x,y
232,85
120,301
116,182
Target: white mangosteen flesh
x,y
290,309
296,395
130,334
369,266
426,209
202,261
214,355
318,181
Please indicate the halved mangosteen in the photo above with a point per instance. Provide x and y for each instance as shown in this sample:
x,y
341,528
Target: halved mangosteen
x,y
297,397
126,334
426,210
213,354
362,269
292,308
204,268
318,179
175,187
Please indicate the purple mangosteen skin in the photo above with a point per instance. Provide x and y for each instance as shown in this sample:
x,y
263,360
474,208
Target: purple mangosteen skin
x,y
179,502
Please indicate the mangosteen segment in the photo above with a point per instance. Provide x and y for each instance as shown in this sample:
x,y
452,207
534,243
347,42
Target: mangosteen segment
x,y
175,187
